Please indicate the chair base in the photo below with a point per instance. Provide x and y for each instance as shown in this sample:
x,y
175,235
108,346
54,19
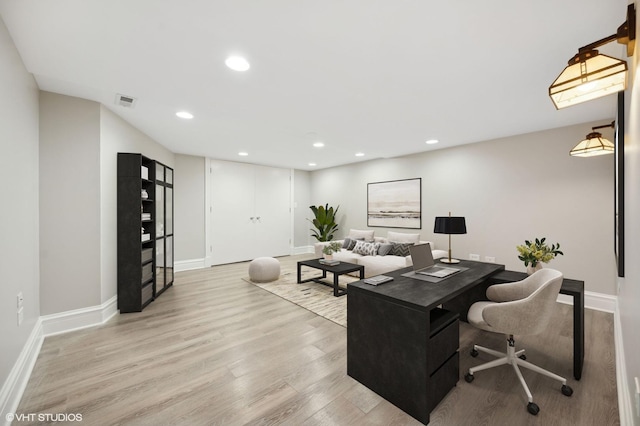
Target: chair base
x,y
516,359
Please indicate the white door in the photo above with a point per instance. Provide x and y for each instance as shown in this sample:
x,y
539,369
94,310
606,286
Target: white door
x,y
251,214
273,208
232,202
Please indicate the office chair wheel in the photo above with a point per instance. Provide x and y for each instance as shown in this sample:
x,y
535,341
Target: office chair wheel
x,y
533,408
469,377
474,353
523,357
566,390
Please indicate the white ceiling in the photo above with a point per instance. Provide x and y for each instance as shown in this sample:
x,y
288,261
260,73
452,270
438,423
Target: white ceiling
x,y
373,76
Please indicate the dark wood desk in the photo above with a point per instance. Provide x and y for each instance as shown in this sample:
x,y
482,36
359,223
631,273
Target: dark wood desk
x,y
393,341
390,343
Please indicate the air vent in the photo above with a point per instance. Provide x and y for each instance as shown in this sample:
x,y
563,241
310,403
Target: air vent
x,y
125,101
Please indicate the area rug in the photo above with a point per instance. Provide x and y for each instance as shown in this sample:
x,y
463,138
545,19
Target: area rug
x,y
312,296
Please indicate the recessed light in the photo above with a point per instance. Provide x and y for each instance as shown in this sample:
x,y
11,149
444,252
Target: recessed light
x,y
359,154
318,144
237,63
312,164
184,114
432,141
243,154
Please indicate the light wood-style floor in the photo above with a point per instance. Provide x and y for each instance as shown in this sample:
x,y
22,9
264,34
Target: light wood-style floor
x,y
215,350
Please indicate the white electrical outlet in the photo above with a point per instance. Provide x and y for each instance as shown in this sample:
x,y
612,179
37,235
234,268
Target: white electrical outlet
x,y
20,316
490,259
20,300
474,256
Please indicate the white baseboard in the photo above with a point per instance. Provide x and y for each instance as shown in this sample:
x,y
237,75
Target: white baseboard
x,y
188,265
77,319
597,301
14,386
303,250
48,325
625,399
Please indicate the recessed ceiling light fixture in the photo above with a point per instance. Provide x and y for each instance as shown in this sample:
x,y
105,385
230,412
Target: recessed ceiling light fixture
x,y
359,154
318,144
432,141
591,75
237,63
243,153
184,114
312,164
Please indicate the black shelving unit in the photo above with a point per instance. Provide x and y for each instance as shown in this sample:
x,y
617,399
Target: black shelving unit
x,y
141,213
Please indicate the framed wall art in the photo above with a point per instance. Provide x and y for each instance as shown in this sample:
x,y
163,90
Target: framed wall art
x,y
395,204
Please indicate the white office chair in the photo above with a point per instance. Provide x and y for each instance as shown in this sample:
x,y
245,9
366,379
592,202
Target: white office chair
x,y
524,308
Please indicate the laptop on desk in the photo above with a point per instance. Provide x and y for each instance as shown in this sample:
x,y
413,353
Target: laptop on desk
x,y
423,263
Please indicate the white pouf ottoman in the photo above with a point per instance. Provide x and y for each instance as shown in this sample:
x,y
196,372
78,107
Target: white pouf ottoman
x,y
264,269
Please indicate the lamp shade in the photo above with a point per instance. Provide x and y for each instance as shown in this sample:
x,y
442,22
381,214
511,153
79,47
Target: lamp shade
x,y
593,145
450,225
589,75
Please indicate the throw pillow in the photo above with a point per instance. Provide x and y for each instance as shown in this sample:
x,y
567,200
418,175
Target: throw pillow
x,y
352,242
400,249
345,243
366,249
384,249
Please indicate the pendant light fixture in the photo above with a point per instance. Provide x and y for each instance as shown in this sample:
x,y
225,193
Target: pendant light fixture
x,y
591,75
594,144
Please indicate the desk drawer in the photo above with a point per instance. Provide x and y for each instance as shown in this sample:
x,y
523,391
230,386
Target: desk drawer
x,y
444,340
443,380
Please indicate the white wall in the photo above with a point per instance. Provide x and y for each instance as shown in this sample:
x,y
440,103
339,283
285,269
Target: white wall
x,y
509,190
629,286
19,225
189,210
116,135
69,203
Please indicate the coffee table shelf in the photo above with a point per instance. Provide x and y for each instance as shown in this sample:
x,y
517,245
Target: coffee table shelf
x,y
337,270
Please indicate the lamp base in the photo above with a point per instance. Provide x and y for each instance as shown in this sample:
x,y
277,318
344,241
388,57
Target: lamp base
x,y
445,260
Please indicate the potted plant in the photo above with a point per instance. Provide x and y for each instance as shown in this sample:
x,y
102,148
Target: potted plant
x,y
325,222
533,254
330,248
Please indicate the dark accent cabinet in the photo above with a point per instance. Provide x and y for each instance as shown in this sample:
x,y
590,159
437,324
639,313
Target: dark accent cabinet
x,y
145,230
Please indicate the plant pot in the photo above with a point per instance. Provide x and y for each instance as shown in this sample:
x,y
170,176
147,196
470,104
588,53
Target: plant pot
x,y
328,256
531,269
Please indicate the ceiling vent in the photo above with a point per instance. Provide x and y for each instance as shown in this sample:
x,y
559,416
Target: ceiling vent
x,y
125,101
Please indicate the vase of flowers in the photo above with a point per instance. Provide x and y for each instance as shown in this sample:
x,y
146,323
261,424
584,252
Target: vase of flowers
x,y
535,253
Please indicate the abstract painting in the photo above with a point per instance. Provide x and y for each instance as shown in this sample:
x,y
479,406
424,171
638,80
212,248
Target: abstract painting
x,y
395,204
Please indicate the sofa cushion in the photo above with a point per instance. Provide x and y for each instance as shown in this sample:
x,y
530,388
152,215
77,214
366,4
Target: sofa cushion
x,y
400,249
376,265
347,256
401,237
366,249
364,234
384,249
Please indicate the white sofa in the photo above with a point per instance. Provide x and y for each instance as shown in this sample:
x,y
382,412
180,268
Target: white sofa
x,y
378,264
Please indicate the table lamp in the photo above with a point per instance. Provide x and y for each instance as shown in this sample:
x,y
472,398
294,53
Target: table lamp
x,y
450,225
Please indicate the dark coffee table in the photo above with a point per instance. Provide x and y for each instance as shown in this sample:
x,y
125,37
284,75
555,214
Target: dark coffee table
x,y
337,270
